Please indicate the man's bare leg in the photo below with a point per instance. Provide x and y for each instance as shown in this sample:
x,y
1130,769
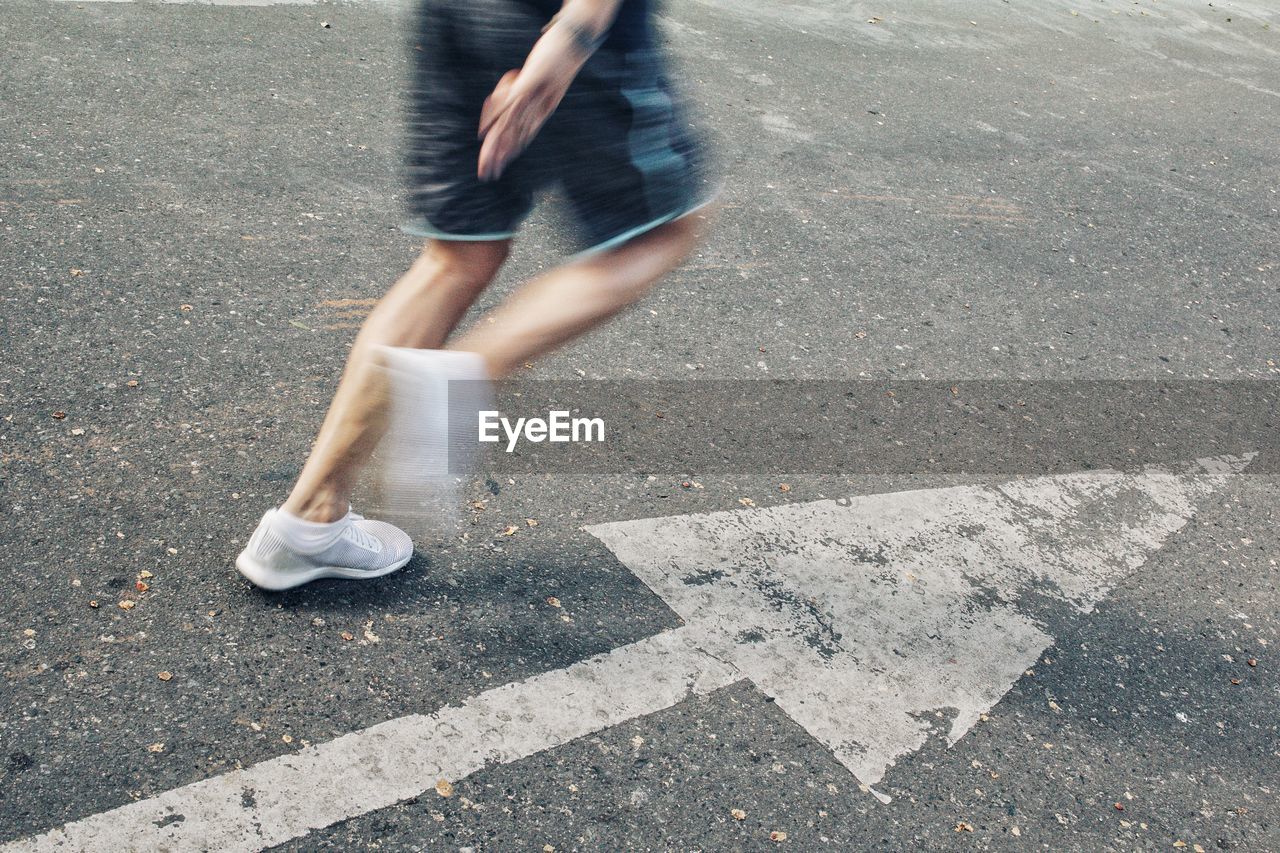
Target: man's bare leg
x,y
576,297
429,300
420,310
307,538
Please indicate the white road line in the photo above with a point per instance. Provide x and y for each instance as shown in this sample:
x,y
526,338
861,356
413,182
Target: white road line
x,y
284,798
865,617
861,617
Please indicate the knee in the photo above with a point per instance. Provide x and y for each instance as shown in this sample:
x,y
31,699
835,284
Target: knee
x,y
464,265
632,270
673,242
687,231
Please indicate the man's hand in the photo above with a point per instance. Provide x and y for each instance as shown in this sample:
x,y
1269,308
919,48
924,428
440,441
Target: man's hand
x,y
513,115
524,99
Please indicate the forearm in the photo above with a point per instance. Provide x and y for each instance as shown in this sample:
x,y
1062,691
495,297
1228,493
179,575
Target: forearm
x,y
524,99
570,38
585,22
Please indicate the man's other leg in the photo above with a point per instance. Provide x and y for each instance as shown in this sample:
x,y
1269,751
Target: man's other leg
x,y
578,296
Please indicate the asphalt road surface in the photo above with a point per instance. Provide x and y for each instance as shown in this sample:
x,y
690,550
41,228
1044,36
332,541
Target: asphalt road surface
x,y
198,203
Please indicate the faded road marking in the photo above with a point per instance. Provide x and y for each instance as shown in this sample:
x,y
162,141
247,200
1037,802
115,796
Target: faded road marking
x,y
349,313
347,303
861,617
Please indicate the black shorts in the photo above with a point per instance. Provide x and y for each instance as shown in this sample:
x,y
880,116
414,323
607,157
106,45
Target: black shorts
x,y
618,148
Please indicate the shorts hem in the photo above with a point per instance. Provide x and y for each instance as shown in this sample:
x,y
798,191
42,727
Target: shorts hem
x,y
631,234
422,228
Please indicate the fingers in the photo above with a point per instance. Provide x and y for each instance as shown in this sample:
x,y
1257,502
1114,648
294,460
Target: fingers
x,y
495,116
491,162
509,120
494,151
507,135
497,102
510,133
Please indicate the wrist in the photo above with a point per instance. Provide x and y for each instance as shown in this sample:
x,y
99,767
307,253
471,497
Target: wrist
x,y
554,60
586,38
582,35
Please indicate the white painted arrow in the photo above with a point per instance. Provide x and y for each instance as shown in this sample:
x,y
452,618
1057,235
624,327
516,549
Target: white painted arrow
x,y
862,616
859,616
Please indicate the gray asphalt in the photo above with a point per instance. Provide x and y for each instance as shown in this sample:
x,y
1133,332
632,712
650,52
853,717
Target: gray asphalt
x,y
1014,190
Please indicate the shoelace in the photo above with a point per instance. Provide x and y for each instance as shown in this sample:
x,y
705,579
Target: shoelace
x,y
361,536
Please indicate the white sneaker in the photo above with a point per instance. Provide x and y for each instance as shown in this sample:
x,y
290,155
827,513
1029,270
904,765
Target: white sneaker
x,y
364,549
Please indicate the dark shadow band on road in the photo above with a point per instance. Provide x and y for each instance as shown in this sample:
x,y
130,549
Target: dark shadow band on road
x,y
1015,428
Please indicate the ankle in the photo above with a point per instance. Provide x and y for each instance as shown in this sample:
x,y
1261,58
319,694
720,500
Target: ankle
x,y
303,536
320,507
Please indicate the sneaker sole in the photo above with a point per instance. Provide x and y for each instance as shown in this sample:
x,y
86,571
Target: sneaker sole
x,y
275,580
